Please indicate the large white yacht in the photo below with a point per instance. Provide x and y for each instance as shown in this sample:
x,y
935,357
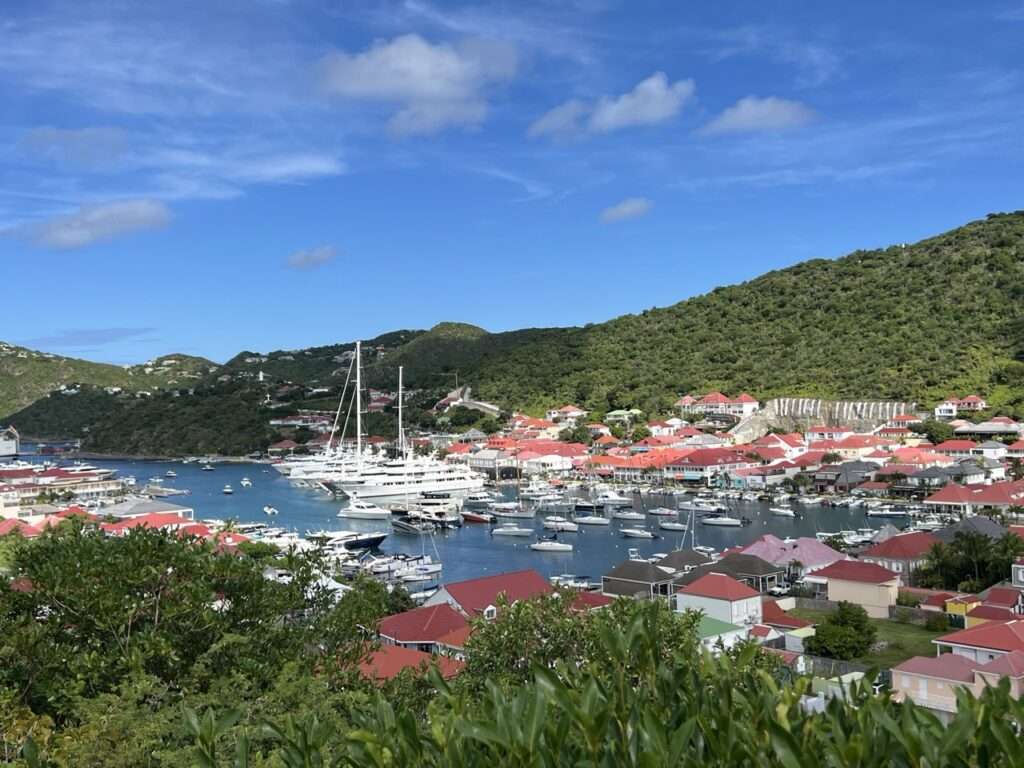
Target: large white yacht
x,y
406,475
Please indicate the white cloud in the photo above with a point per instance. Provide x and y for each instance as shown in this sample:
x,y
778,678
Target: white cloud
x,y
435,86
564,120
630,208
652,101
312,258
752,114
97,223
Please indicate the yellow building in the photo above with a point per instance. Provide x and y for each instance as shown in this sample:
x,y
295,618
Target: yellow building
x,y
870,586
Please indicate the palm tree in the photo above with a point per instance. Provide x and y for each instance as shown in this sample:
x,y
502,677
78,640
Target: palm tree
x,y
973,547
941,562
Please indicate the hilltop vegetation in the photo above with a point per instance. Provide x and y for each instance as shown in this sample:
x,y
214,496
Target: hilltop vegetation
x,y
908,322
913,322
27,375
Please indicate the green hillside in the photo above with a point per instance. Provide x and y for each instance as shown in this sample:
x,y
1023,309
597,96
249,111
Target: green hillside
x,y
27,375
913,322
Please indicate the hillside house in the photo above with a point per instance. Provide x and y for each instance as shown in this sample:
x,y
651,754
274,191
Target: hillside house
x,y
870,586
721,597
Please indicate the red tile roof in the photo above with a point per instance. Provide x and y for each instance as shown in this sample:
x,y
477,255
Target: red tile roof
x,y
1006,597
905,546
994,635
589,601
856,570
938,600
1009,664
947,666
476,594
718,586
421,625
12,525
456,638
992,613
761,630
772,614
388,661
996,494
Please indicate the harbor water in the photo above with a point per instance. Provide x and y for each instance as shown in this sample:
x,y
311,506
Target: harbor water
x,y
470,551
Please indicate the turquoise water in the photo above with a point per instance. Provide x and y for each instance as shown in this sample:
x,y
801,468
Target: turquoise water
x,y
470,551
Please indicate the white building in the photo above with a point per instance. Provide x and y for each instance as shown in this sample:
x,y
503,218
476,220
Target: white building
x,y
721,597
10,442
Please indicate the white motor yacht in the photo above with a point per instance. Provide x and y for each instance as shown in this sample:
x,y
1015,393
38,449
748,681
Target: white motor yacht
x,y
637,533
511,529
627,514
548,545
359,509
556,523
672,525
592,520
723,521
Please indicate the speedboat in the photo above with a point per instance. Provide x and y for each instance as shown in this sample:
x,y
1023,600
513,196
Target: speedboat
x,y
662,512
550,545
359,509
406,524
479,497
627,514
228,490
511,529
637,533
349,540
672,525
706,551
612,499
556,523
510,509
886,511
246,482
170,473
207,468
723,521
269,510
592,520
782,511
469,516
423,571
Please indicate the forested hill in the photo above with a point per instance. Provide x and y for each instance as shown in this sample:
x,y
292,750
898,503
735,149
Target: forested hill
x,y
27,375
912,322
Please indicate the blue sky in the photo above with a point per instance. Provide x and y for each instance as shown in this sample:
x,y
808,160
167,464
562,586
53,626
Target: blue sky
x,y
207,177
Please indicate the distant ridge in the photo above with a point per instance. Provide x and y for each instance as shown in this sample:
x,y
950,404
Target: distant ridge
x,y
908,323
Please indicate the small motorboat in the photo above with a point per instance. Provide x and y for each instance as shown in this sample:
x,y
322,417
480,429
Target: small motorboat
x,y
612,499
469,516
723,521
550,545
228,490
556,523
269,510
662,512
627,514
360,509
672,525
510,509
511,529
406,524
420,572
637,533
592,520
782,511
207,468
170,473
479,497
708,551
246,482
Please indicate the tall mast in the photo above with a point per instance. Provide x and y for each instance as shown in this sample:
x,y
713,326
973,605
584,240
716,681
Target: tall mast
x,y
359,407
401,427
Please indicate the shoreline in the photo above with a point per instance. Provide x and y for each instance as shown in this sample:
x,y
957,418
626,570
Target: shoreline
x,y
97,456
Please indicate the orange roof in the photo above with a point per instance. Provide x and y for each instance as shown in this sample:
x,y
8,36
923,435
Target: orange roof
x,y
388,661
719,587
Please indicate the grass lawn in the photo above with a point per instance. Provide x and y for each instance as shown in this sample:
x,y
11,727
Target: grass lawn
x,y
905,640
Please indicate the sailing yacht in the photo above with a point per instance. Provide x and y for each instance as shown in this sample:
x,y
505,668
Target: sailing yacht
x,y
405,475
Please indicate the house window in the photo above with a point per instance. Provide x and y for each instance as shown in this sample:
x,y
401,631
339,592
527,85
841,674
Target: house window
x,y
490,613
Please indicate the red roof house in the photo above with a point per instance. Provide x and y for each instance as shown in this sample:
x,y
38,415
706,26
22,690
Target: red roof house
x,y
473,597
421,627
857,570
389,661
985,642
